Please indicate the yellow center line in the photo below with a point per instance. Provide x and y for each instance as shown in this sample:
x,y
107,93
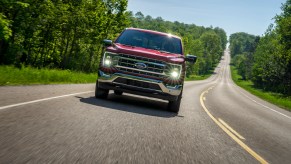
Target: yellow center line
x,y
229,133
231,129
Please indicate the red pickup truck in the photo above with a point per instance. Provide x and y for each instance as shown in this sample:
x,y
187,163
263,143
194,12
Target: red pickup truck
x,y
146,63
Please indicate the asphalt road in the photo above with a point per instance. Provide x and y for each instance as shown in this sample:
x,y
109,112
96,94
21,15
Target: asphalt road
x,y
218,123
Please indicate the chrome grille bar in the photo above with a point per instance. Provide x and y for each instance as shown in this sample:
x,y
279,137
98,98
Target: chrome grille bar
x,y
154,67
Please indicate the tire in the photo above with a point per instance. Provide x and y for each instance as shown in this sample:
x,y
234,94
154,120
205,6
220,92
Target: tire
x,y
174,106
118,92
100,93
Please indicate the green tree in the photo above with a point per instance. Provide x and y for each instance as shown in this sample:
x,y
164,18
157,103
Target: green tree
x,y
212,49
5,31
59,34
243,46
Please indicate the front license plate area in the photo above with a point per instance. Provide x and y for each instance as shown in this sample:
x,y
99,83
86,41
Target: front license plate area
x,y
137,83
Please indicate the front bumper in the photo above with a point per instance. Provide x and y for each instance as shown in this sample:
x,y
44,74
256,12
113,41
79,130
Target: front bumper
x,y
139,85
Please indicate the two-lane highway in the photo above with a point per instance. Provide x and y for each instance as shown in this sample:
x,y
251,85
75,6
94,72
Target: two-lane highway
x,y
66,124
261,125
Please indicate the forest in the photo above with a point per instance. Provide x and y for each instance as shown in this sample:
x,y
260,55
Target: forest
x,y
266,60
64,34
68,34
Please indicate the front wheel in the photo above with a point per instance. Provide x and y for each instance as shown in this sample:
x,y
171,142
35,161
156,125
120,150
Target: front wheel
x,y
174,106
100,93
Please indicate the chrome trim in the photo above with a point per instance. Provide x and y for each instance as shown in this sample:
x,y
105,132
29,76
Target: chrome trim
x,y
140,65
107,53
175,91
153,67
140,70
143,61
166,67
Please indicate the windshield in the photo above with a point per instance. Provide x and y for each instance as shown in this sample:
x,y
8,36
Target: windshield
x,y
163,43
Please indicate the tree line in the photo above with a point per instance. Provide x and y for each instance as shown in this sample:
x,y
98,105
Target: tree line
x,y
65,34
68,34
266,60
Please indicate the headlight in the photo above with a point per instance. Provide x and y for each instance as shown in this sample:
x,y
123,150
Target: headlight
x,y
107,62
108,59
174,74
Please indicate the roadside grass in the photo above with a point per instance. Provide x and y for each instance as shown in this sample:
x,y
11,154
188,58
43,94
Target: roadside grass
x,y
274,98
197,77
10,75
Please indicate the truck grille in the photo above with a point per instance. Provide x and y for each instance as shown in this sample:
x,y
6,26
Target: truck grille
x,y
127,63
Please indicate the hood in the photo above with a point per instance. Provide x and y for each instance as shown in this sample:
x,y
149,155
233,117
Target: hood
x,y
148,53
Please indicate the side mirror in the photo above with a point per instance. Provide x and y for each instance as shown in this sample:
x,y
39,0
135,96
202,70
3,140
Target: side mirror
x,y
107,42
191,58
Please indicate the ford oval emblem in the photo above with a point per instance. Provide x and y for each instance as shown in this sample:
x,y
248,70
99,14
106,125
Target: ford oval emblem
x,y
140,65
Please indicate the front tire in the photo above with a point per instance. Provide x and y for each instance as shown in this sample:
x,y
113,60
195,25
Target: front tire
x,y
100,93
174,106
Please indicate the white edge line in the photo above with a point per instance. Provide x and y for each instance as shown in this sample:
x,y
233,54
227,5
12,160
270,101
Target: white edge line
x,y
231,135
263,105
39,100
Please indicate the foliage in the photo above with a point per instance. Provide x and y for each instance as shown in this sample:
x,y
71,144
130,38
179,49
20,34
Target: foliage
x,y
266,61
206,43
68,34
276,98
5,31
268,69
27,75
242,42
273,56
58,34
242,48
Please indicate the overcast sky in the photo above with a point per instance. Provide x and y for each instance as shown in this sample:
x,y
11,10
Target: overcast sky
x,y
250,16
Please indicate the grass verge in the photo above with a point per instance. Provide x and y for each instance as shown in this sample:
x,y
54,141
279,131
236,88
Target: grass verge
x,y
197,77
27,75
274,98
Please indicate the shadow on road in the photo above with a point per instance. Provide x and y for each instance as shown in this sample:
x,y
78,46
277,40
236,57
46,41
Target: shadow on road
x,y
131,104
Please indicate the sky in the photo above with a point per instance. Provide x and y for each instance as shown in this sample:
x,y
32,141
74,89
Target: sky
x,y
250,16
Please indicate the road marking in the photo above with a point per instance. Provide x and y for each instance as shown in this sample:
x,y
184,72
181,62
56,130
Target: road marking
x,y
262,104
39,100
231,129
229,133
